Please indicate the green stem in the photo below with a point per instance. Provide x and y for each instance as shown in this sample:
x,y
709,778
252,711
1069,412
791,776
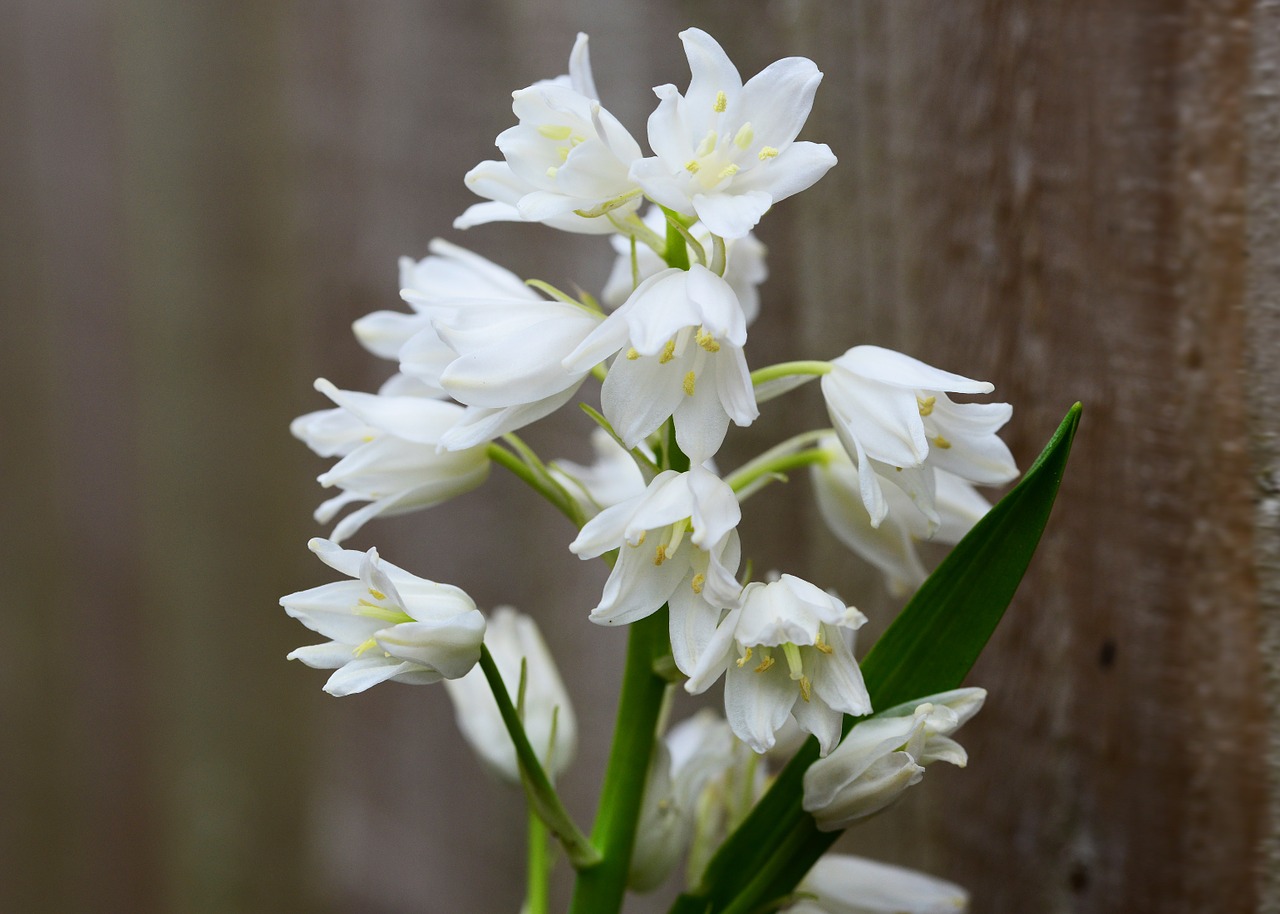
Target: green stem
x,y
542,796
540,482
538,890
785,455
788,369
600,889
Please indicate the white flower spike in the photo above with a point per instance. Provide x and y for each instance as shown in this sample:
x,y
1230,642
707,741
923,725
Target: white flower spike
x,y
726,152
386,624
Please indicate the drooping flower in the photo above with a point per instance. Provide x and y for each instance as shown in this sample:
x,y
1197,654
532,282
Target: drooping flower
x,y
893,545
787,650
397,466
892,414
385,624
882,756
566,162
725,151
513,638
677,543
844,884
683,331
744,271
701,780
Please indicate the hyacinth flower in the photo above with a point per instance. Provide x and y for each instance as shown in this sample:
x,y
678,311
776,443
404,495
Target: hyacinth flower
x,y
566,162
844,884
385,624
884,755
786,651
725,152
683,333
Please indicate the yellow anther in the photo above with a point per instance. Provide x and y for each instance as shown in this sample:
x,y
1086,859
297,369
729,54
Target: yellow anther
x,y
742,139
767,152
632,354
707,341
368,438
692,166
764,665
555,131
742,661
728,171
806,688
722,102
942,442
668,352
364,646
659,555
707,146
822,645
563,152
689,380
551,172
926,404
377,594
698,581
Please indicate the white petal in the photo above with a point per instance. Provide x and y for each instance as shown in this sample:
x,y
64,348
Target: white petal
x,y
890,367
731,215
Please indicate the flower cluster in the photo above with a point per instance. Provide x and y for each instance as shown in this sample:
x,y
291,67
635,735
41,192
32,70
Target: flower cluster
x,y
480,353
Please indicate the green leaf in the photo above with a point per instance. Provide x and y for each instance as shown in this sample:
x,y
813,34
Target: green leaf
x,y
929,648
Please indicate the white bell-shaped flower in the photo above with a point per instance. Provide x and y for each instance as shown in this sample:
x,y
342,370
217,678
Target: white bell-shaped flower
x,y
566,161
513,638
683,331
892,546
882,756
892,414
786,651
844,884
398,466
385,624
725,151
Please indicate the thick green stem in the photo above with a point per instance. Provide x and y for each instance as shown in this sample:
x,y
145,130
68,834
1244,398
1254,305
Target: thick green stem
x,y
538,889
542,796
600,888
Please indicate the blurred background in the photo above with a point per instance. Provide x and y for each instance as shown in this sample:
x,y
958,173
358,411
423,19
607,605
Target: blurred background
x,y
1077,201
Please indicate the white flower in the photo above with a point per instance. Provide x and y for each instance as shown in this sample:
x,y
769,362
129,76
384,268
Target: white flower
x,y
685,330
548,719
677,543
398,466
613,478
726,151
884,755
891,546
893,411
566,161
744,270
843,884
702,779
786,651
386,624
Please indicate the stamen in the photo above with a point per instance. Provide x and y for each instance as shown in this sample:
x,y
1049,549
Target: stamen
x,y
551,172
555,131
806,688
742,661
707,146
643,534
767,152
722,102
659,555
364,646
698,581
677,536
926,404
563,152
632,354
692,166
689,380
742,139
728,171
765,664
668,352
377,594
707,341
822,645
942,443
